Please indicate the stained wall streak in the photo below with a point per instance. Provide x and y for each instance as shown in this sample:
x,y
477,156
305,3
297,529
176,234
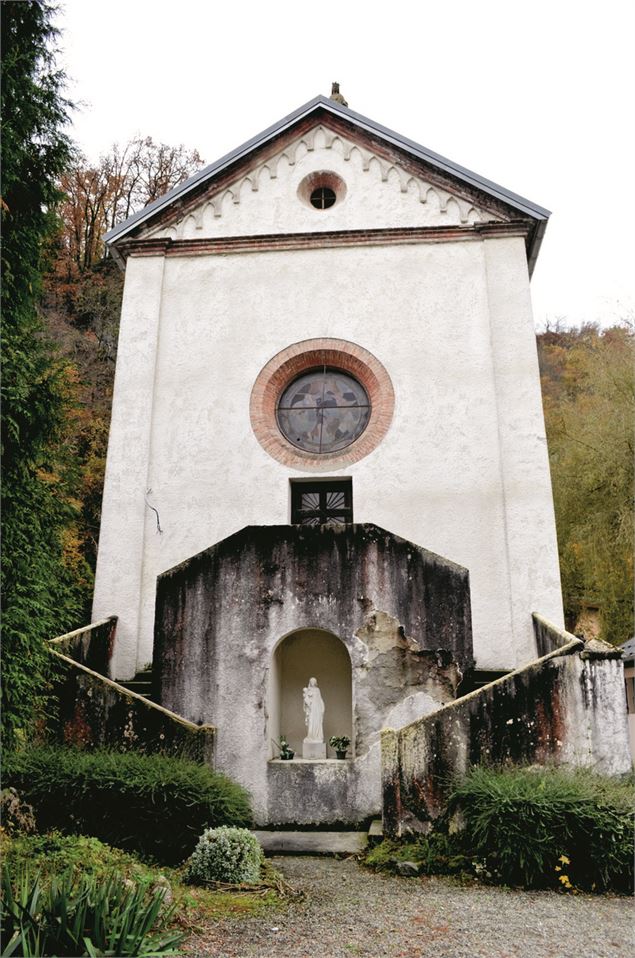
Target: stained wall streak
x,y
91,646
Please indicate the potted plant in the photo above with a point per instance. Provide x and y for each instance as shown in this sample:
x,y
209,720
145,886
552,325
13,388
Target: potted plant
x,y
340,743
286,752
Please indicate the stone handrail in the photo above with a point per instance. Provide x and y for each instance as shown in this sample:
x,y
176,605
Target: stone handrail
x,y
91,645
97,712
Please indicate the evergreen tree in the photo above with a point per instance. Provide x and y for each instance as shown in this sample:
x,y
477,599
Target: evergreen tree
x,y
40,588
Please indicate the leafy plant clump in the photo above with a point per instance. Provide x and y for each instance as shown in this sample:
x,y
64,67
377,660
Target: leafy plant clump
x,y
434,854
151,804
548,827
84,916
285,750
53,854
230,855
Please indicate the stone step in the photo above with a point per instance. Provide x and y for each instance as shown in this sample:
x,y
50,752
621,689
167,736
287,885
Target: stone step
x,y
307,842
141,688
477,678
375,832
141,683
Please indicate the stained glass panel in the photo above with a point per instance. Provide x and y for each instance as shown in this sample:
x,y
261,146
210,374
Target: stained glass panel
x,y
302,427
323,411
342,426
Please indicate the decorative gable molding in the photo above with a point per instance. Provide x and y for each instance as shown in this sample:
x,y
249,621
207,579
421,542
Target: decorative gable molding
x,y
380,194
434,191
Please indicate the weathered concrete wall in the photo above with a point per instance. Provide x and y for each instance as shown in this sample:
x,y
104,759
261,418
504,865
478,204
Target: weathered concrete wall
x,y
549,638
402,613
629,678
91,646
566,708
333,791
94,712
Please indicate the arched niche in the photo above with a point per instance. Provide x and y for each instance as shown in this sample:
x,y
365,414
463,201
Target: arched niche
x,y
301,655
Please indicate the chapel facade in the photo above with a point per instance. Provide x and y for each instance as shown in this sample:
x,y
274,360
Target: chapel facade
x,y
327,452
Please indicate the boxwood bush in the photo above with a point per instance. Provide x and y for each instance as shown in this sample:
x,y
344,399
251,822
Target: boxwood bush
x,y
152,804
548,827
226,855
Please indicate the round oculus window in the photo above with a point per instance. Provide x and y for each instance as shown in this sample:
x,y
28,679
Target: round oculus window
x,y
322,189
322,198
323,411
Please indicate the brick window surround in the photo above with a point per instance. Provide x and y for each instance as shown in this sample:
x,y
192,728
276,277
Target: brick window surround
x,y
290,363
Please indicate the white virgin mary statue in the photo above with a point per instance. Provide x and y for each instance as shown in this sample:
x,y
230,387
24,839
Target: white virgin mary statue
x,y
313,712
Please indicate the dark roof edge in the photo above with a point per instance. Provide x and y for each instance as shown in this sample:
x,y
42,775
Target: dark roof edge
x,y
520,203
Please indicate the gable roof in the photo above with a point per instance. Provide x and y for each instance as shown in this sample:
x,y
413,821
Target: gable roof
x,y
323,105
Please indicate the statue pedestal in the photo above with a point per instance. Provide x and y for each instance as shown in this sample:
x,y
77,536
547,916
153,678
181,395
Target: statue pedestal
x,y
313,749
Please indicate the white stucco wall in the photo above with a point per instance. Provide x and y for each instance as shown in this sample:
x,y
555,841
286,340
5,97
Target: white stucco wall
x,y
462,471
629,679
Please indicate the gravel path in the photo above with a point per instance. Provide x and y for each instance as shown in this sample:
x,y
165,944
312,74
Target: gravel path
x,y
349,911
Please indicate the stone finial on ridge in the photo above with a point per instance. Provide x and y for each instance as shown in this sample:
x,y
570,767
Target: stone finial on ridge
x,y
336,95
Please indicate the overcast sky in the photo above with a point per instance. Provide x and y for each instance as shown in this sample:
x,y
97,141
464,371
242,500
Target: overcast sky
x,y
538,97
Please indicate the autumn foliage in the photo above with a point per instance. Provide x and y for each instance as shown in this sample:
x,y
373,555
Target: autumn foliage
x,y
588,385
83,290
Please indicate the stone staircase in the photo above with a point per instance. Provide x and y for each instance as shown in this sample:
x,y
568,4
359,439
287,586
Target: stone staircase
x,y
141,683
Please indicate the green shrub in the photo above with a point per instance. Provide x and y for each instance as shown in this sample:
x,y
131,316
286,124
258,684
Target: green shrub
x,y
152,804
548,827
54,854
435,854
227,855
85,916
